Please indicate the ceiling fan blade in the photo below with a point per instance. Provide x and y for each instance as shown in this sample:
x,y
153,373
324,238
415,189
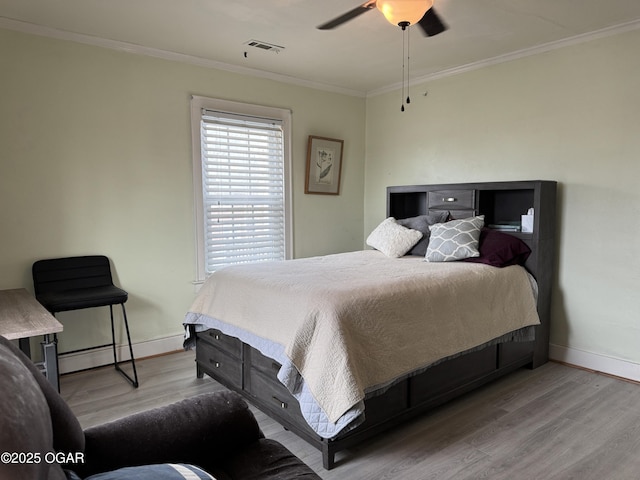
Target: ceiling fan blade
x,y
431,24
359,10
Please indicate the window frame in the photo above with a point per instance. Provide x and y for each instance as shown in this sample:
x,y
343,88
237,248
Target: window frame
x,y
238,108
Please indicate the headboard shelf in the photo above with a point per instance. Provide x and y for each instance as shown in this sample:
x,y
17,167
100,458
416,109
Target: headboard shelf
x,y
502,203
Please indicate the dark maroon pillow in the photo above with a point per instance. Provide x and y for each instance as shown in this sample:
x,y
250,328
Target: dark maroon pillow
x,y
500,249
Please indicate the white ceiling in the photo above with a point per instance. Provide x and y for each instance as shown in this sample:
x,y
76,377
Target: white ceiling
x,y
360,57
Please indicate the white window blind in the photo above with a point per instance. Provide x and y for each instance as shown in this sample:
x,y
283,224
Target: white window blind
x,y
243,189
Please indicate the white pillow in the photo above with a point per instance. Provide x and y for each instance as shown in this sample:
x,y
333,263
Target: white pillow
x,y
392,239
455,240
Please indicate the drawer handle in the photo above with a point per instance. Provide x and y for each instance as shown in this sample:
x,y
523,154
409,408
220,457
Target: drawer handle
x,y
449,199
282,404
215,364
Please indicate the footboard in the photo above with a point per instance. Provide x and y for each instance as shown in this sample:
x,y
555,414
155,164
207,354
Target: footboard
x,y
245,370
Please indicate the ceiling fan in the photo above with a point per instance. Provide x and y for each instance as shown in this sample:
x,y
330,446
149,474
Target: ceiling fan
x,y
398,12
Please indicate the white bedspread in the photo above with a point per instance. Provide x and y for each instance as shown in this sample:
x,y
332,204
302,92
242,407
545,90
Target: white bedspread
x,y
351,322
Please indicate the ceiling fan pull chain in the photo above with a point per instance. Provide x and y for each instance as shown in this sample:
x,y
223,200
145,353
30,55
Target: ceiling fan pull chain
x,y
408,63
403,58
405,47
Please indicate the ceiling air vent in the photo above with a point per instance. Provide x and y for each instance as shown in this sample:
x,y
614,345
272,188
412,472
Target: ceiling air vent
x,y
267,47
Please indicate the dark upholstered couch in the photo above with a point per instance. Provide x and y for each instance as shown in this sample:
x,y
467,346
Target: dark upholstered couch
x,y
216,432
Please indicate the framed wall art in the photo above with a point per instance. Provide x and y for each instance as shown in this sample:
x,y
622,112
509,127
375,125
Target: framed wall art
x,y
324,165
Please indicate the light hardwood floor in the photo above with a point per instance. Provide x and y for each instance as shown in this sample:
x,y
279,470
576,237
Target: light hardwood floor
x,y
555,422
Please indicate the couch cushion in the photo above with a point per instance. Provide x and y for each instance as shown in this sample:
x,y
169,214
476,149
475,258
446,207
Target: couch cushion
x,y
67,432
168,471
267,459
201,430
26,423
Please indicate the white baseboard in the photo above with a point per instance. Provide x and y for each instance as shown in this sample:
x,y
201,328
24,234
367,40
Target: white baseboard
x,y
594,361
74,362
103,356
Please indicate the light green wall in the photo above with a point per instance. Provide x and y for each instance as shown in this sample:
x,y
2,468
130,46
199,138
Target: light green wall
x,y
95,157
570,115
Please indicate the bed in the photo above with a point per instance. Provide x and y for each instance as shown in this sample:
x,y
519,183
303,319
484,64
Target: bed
x,y
340,347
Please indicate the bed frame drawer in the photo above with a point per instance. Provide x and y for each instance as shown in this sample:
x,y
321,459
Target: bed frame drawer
x,y
515,352
272,397
262,383
220,341
440,379
451,200
260,362
219,364
262,373
381,407
270,390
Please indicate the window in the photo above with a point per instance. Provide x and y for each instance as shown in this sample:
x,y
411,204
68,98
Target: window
x,y
241,182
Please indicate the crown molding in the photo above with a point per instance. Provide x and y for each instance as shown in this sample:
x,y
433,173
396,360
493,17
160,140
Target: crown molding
x,y
132,48
33,29
526,52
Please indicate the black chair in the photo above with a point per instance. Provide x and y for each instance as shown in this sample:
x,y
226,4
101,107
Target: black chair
x,y
73,283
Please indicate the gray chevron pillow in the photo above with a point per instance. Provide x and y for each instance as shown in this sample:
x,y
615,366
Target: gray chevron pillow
x,y
455,240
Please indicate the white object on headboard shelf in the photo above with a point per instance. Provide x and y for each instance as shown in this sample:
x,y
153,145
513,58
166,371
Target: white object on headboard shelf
x,y
527,221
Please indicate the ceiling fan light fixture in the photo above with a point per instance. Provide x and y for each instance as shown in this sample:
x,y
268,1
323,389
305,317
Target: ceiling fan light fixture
x,y
405,12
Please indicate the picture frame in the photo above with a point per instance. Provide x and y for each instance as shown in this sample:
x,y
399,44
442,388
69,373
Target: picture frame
x,y
324,165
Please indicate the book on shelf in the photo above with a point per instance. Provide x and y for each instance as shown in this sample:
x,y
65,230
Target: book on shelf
x,y
505,227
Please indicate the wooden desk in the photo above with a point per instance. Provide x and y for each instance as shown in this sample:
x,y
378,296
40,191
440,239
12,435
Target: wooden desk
x,y
21,317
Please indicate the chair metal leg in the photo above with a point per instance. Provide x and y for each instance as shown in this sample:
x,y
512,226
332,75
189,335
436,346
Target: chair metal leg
x,y
50,360
134,380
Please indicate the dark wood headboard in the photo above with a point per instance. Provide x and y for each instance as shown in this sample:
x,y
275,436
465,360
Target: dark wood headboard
x,y
502,204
